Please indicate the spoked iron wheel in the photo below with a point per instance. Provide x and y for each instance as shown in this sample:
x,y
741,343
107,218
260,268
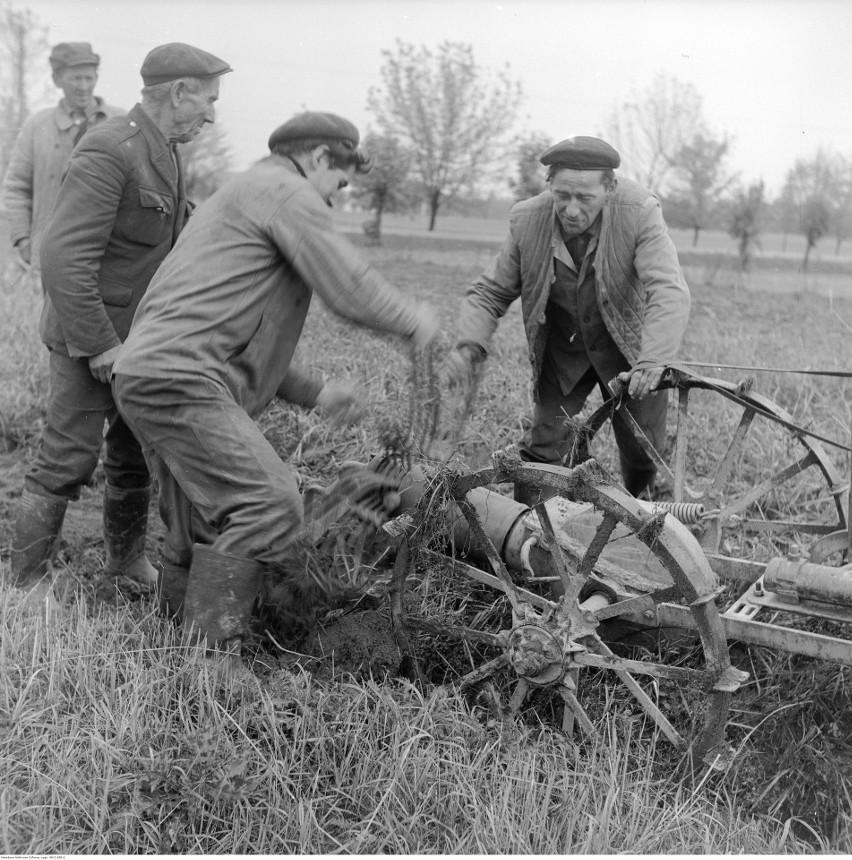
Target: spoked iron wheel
x,y
550,642
733,454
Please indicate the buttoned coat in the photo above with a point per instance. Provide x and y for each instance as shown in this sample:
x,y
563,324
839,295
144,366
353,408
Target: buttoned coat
x,y
640,288
36,165
120,209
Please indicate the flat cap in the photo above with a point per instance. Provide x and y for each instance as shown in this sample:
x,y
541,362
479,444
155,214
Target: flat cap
x,y
177,60
582,153
67,54
312,124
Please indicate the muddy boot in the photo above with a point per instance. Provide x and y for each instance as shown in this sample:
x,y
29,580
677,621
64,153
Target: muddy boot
x,y
172,590
36,534
125,527
217,608
639,480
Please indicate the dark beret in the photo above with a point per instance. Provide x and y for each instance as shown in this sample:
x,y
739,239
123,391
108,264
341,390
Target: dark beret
x,y
177,60
582,153
314,125
67,54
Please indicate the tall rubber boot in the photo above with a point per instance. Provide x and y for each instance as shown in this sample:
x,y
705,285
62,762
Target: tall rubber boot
x,y
219,598
171,589
637,480
125,527
37,529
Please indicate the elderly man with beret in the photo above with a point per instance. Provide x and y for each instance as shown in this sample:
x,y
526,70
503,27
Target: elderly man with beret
x,y
119,211
44,143
602,296
212,345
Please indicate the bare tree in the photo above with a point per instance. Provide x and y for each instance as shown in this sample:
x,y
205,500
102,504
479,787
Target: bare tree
x,y
23,51
455,119
700,167
386,188
531,173
748,211
810,188
651,128
206,162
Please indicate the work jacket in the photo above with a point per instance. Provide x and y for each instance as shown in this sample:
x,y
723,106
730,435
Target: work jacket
x,y
120,209
641,292
228,305
36,165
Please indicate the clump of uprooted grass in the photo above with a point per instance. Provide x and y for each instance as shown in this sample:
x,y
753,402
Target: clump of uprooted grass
x,y
117,739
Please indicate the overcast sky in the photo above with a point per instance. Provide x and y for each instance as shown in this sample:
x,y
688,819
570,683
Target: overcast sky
x,y
775,74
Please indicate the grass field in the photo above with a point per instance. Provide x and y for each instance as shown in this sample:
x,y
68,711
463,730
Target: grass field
x,y
114,739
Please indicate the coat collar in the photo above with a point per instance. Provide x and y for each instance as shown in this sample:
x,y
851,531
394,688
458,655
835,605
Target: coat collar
x,y
158,146
63,117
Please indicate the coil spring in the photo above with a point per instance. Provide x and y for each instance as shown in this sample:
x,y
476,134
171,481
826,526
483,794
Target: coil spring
x,y
689,513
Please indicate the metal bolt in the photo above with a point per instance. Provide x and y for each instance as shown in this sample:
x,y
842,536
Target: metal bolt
x,y
649,614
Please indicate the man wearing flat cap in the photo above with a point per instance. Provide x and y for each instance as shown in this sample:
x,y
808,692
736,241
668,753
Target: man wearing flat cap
x,y
119,211
602,296
32,179
212,345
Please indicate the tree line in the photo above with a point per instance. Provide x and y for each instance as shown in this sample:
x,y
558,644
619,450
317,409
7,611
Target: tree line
x,y
445,129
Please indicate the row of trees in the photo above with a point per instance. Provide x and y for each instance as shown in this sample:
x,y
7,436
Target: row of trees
x,y
445,131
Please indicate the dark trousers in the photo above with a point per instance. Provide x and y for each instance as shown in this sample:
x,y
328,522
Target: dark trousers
x,y
221,483
549,440
78,407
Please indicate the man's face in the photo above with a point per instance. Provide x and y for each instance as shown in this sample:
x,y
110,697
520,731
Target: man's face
x,y
78,85
194,110
579,196
328,180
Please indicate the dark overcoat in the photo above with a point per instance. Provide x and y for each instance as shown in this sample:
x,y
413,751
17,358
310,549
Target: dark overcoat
x,y
120,209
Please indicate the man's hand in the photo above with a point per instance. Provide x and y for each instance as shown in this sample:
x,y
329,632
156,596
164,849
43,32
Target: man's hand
x,y
461,366
25,252
101,365
427,329
641,382
341,403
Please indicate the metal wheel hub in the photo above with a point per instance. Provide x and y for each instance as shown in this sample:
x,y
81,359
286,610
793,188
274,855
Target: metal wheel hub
x,y
536,654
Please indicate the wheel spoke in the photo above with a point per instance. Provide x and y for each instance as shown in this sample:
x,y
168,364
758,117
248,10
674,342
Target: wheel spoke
x,y
571,584
572,705
596,546
486,670
645,701
764,487
681,444
732,454
519,695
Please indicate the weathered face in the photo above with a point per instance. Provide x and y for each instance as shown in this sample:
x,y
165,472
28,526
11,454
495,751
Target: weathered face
x,y
579,196
194,110
328,180
78,85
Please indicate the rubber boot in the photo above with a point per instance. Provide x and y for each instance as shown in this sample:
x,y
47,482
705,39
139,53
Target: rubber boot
x,y
125,527
219,599
36,534
171,589
638,480
220,595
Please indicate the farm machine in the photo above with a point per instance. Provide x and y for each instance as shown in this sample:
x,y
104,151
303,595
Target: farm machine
x,y
587,570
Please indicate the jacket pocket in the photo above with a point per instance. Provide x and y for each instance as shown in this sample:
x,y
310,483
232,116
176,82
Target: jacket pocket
x,y
115,294
151,222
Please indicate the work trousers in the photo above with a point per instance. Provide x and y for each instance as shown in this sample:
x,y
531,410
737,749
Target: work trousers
x,y
549,440
221,483
78,408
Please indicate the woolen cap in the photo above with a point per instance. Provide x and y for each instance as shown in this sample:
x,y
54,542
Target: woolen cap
x,y
316,125
177,60
67,54
582,153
